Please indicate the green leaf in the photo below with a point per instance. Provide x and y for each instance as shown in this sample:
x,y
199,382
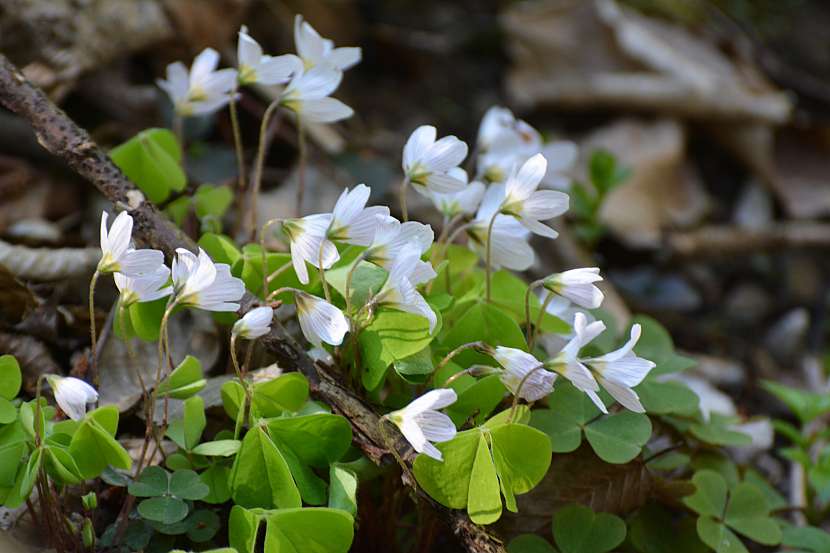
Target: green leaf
x,y
520,455
415,368
233,397
62,466
717,536
656,345
152,482
806,538
508,293
668,398
310,530
165,509
218,448
569,410
187,431
12,447
216,479
220,248
30,473
342,489
145,318
619,438
212,201
260,476
251,272
186,380
806,405
203,525
186,484
288,392
8,412
529,543
367,279
391,336
578,529
151,159
479,399
483,322
93,446
748,514
10,377
655,529
709,497
718,431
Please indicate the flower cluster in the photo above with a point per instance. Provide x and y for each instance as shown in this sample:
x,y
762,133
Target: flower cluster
x,y
311,76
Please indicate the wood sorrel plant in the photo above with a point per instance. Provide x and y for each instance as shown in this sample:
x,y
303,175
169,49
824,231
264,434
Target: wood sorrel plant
x,y
487,382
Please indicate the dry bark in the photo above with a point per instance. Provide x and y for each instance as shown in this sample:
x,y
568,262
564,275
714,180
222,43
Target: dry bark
x,y
58,134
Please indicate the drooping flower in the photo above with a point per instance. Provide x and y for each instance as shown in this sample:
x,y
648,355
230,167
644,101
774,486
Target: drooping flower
x,y
618,371
509,247
421,423
528,205
143,288
399,290
198,282
320,321
521,366
393,237
118,255
352,222
72,395
316,50
578,286
308,243
427,162
465,201
256,67
203,89
307,95
255,323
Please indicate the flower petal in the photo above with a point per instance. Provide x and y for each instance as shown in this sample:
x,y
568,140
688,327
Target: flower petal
x,y
417,145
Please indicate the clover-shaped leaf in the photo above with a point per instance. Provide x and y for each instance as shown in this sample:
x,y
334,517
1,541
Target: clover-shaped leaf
x,y
152,160
10,381
483,465
164,509
668,398
260,476
310,530
743,509
187,431
578,529
186,380
617,438
166,494
93,445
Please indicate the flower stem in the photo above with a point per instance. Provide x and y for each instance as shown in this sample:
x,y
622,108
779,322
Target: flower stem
x,y
326,291
281,290
265,278
533,285
460,349
277,272
542,311
488,269
349,277
402,194
238,369
36,424
260,161
92,333
519,391
122,311
298,209
240,152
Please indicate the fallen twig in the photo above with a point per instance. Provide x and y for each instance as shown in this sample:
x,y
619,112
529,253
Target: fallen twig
x,y
58,134
725,240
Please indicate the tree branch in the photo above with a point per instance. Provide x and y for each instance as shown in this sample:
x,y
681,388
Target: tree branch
x,y
59,135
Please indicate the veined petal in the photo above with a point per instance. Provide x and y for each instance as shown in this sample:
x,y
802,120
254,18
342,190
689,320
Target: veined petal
x,y
362,230
248,51
273,70
417,145
298,261
434,399
345,57
445,154
135,263
634,337
324,110
539,228
597,401
625,396
105,244
422,273
442,183
580,376
318,82
120,234
203,66
435,426
545,204
521,185
349,205
308,42
320,321
413,434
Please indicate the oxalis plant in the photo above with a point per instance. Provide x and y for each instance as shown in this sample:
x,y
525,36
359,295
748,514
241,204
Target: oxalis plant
x,y
502,388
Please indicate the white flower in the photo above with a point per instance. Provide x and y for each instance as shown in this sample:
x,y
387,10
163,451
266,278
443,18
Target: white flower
x,y
255,323
308,243
618,371
198,282
143,288
421,423
427,162
255,67
203,89
578,286
465,201
509,246
561,157
352,222
320,321
517,366
307,95
72,395
530,206
117,252
562,308
393,237
316,50
399,290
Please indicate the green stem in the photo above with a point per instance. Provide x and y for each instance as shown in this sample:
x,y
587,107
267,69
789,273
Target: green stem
x,y
488,269
460,349
349,277
240,152
263,251
298,210
326,291
92,332
122,311
260,161
530,288
402,193
273,276
519,391
281,290
238,369
38,386
538,324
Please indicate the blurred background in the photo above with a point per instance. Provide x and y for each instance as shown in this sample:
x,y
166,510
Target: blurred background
x,y
716,114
